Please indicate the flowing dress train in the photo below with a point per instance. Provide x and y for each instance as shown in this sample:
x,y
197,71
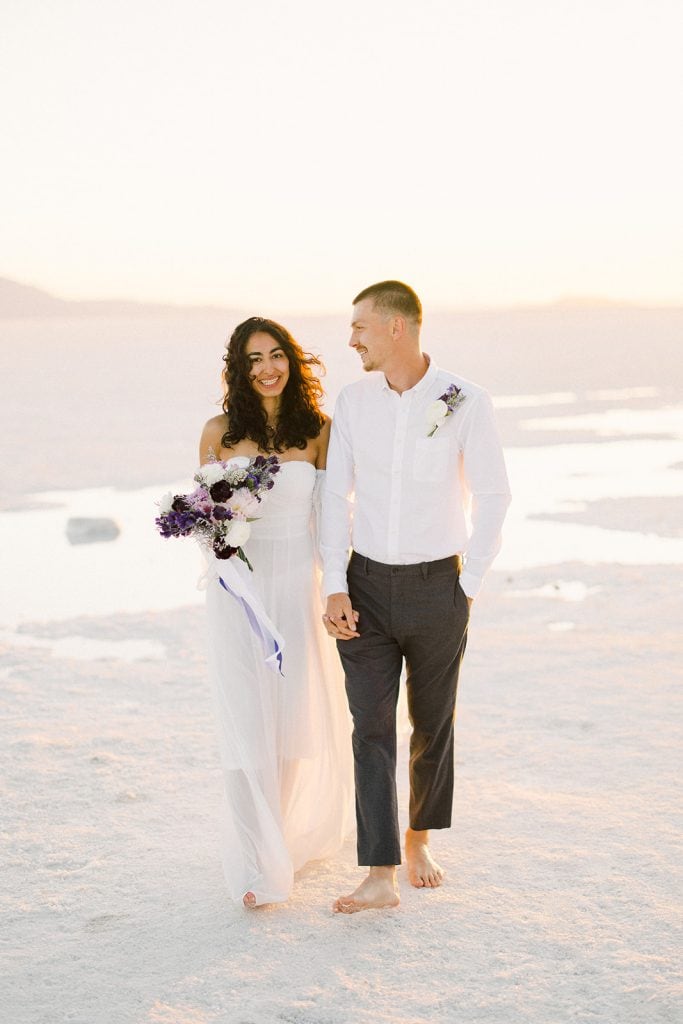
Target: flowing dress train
x,y
284,740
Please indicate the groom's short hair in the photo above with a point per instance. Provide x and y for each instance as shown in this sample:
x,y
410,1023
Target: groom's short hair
x,y
393,297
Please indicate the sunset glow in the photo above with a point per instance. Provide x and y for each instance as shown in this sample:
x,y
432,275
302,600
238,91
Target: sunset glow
x,y
222,153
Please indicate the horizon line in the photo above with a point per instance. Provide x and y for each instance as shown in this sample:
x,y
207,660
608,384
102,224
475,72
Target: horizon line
x,y
567,301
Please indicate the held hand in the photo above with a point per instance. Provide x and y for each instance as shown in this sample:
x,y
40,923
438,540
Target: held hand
x,y
340,619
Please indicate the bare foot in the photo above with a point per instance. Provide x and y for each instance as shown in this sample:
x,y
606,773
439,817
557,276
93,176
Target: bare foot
x,y
377,891
423,871
249,900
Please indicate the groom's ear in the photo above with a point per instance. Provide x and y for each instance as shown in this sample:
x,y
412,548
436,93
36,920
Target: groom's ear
x,y
398,327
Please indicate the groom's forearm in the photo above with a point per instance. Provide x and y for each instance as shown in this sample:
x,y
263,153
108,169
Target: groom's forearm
x,y
488,514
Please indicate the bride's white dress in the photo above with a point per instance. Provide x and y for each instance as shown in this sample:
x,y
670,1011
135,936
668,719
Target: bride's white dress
x,y
284,740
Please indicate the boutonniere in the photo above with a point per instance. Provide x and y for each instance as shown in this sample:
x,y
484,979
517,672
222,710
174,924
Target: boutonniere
x,y
443,407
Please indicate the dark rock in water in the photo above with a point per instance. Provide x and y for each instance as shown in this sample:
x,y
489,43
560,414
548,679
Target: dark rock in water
x,y
91,531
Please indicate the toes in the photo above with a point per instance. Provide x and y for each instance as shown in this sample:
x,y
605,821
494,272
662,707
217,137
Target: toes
x,y
344,905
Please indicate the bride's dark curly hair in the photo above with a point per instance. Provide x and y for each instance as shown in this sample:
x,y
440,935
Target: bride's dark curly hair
x,y
299,415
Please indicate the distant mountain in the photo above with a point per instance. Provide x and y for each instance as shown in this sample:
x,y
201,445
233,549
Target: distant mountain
x,y
22,300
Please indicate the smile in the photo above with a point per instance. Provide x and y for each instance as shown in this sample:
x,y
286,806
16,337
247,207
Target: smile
x,y
269,382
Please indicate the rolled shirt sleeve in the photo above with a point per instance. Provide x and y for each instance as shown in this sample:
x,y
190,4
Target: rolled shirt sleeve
x,y
337,505
487,481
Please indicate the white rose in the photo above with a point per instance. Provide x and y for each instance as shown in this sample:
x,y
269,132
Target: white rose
x,y
238,533
166,503
436,412
211,473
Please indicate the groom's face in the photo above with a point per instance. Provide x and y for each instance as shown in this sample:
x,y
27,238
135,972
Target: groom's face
x,y
371,335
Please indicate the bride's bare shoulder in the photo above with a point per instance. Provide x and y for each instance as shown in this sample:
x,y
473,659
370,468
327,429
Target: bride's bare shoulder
x,y
218,424
212,435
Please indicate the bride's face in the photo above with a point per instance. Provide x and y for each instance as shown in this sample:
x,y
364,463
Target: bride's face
x,y
269,366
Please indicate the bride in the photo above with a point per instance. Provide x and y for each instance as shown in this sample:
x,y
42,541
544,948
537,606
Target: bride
x,y
284,739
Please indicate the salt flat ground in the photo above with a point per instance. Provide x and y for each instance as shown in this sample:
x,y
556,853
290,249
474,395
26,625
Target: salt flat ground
x,y
562,896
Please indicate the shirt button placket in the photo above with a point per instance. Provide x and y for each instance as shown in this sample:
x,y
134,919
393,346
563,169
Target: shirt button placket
x,y
396,477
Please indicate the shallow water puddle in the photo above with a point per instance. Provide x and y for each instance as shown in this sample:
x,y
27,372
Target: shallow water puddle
x,y
52,579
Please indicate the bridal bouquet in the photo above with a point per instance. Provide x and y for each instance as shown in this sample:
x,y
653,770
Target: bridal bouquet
x,y
218,512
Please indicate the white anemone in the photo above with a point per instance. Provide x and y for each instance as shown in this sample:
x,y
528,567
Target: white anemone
x,y
238,534
211,473
166,503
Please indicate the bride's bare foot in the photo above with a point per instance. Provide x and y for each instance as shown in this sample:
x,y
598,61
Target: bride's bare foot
x,y
379,890
249,900
423,871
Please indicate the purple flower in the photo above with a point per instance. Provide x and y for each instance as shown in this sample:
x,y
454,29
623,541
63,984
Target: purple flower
x,y
220,512
200,501
176,524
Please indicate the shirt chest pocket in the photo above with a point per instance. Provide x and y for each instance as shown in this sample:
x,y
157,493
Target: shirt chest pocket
x,y
432,458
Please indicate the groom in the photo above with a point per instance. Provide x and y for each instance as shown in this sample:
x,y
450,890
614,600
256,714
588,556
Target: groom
x,y
402,469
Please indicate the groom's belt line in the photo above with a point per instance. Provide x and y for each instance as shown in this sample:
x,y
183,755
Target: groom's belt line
x,y
451,564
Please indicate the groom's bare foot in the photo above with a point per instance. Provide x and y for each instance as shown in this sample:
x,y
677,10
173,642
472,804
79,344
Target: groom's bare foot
x,y
249,900
377,891
423,871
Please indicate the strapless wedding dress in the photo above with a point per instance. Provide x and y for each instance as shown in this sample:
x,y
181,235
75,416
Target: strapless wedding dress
x,y
285,741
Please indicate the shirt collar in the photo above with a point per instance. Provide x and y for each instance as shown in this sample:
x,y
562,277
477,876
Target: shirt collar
x,y
423,383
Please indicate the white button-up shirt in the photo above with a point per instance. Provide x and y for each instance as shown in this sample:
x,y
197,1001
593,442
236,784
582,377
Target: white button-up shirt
x,y
400,497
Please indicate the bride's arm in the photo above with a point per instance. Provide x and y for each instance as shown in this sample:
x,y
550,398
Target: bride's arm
x,y
320,463
323,443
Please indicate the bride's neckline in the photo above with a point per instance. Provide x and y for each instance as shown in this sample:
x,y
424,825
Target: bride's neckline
x,y
298,462
283,462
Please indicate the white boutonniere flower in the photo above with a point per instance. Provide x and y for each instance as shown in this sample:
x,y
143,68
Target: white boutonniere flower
x,y
436,414
438,411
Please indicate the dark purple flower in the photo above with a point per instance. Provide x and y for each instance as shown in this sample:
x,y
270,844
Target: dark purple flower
x,y
223,552
221,491
179,503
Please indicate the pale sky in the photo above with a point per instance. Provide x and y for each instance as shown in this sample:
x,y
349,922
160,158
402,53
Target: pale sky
x,y
269,154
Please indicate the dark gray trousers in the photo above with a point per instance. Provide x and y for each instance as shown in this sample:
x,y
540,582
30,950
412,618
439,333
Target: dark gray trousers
x,y
418,613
